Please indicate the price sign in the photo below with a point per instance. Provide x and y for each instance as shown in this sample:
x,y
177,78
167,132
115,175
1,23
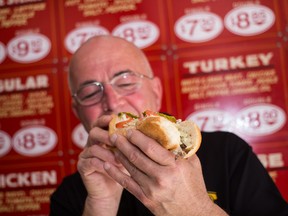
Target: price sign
x,y
211,119
34,141
272,160
198,27
79,136
78,36
5,143
2,52
142,33
28,48
249,20
261,119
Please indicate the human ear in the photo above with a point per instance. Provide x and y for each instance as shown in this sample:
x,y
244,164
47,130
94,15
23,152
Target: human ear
x,y
75,108
158,92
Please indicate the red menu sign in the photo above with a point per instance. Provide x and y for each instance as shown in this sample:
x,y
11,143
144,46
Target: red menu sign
x,y
212,22
27,41
29,115
280,177
222,64
137,21
26,189
239,89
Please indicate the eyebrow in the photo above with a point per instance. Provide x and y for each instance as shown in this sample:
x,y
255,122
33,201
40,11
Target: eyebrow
x,y
87,82
115,75
122,72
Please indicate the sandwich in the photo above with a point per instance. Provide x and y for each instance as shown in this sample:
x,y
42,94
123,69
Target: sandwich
x,y
183,138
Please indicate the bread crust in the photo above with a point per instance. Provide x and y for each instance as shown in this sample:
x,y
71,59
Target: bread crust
x,y
194,135
154,128
113,129
169,134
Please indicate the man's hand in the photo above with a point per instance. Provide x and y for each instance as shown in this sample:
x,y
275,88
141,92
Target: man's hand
x,y
103,192
163,184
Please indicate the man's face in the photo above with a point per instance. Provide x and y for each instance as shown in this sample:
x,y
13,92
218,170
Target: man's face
x,y
102,65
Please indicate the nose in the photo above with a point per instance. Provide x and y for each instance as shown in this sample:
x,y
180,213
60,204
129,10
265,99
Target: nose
x,y
111,101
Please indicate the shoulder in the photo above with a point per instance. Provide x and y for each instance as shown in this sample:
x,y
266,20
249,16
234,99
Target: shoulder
x,y
225,149
220,136
221,140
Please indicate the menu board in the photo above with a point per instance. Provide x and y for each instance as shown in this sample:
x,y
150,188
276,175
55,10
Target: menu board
x,y
26,189
273,155
280,177
29,115
195,23
222,64
235,89
137,21
27,40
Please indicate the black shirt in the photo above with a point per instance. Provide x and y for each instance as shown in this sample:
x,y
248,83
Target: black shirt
x,y
233,175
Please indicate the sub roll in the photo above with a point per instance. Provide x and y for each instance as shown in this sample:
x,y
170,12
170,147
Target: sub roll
x,y
183,138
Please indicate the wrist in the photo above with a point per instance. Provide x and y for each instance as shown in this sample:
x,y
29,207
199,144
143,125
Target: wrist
x,y
100,207
213,209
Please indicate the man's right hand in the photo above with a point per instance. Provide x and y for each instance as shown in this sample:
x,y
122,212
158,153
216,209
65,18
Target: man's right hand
x,y
104,193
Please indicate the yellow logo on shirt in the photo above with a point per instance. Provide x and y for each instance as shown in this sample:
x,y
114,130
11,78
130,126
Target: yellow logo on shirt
x,y
212,195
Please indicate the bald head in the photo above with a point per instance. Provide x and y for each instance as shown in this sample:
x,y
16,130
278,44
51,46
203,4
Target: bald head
x,y
108,42
99,49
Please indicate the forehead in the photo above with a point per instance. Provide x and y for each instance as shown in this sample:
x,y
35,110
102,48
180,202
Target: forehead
x,y
102,66
117,76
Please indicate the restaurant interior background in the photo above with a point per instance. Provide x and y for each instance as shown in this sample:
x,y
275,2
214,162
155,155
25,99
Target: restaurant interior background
x,y
223,64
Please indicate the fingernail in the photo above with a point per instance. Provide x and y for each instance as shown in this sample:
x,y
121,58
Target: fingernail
x,y
129,133
113,138
107,166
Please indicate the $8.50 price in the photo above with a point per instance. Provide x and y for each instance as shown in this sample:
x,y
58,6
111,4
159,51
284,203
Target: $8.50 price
x,y
34,141
29,141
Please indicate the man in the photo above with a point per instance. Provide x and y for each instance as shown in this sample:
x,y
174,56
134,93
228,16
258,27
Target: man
x,y
109,75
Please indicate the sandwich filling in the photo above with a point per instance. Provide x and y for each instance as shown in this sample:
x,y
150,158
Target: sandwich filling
x,y
177,136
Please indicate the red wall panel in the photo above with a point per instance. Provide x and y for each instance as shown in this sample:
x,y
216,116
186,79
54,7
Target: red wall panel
x,y
222,63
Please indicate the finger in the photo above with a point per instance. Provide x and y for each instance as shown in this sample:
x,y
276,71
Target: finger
x,y
123,179
97,151
89,166
194,161
98,136
135,172
140,167
151,148
99,133
103,121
